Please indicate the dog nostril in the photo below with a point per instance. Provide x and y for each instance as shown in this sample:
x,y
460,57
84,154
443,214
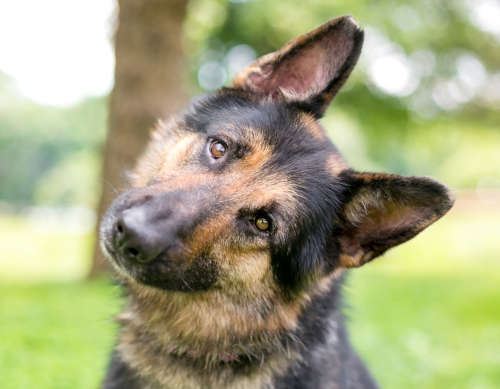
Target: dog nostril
x,y
131,235
132,252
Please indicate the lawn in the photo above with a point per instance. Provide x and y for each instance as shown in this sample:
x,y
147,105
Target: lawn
x,y
425,316
57,335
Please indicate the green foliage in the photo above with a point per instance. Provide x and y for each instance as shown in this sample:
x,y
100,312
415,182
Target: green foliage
x,y
55,188
37,141
51,156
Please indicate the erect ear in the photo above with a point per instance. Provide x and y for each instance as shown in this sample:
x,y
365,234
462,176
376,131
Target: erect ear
x,y
309,70
383,210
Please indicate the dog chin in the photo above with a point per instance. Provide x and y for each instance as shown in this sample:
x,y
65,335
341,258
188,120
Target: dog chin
x,y
144,277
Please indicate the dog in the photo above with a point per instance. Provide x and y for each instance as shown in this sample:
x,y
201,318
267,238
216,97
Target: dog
x,y
241,221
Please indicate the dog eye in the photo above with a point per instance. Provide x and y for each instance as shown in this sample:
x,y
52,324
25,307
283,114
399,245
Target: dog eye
x,y
217,149
262,223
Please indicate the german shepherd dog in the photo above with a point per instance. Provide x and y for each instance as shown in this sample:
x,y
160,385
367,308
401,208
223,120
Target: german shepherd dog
x,y
240,223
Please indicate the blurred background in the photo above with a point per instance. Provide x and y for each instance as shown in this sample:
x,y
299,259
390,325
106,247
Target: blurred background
x,y
423,100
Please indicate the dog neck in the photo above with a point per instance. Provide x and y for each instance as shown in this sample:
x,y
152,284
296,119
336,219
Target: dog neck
x,y
209,340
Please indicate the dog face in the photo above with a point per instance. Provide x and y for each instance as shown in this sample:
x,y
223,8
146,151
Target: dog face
x,y
245,196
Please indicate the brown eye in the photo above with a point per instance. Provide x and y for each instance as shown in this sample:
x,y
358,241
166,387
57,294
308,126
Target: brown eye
x,y
262,223
217,149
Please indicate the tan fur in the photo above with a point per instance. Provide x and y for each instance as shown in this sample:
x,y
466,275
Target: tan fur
x,y
365,201
176,155
356,259
244,185
243,189
225,310
212,325
335,164
313,127
373,214
245,311
164,138
260,153
242,78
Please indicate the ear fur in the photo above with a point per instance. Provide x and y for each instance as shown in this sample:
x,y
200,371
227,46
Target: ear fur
x,y
310,70
384,210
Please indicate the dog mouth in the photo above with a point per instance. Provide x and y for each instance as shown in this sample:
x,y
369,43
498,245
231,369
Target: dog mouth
x,y
142,273
164,272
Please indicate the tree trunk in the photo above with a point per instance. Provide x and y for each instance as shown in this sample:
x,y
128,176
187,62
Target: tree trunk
x,y
149,75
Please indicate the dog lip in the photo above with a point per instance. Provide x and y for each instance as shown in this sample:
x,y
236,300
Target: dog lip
x,y
111,252
107,248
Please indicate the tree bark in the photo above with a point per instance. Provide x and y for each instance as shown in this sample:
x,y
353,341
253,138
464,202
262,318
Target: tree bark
x,y
149,75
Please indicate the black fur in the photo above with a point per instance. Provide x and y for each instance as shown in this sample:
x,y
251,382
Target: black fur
x,y
120,375
342,219
321,338
329,360
296,154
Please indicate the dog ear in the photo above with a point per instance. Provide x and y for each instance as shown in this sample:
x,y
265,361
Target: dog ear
x,y
309,70
385,210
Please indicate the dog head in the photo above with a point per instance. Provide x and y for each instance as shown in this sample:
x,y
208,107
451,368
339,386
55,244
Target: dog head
x,y
244,194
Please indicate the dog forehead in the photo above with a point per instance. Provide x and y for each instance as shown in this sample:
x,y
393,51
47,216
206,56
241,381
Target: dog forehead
x,y
278,137
257,122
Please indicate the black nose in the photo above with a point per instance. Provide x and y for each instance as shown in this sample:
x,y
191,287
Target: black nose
x,y
135,237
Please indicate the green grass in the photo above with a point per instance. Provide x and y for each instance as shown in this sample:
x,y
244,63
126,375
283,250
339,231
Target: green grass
x,y
425,316
55,336
38,250
433,331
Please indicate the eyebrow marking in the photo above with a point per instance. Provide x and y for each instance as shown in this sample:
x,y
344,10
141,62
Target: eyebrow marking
x,y
175,154
258,151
